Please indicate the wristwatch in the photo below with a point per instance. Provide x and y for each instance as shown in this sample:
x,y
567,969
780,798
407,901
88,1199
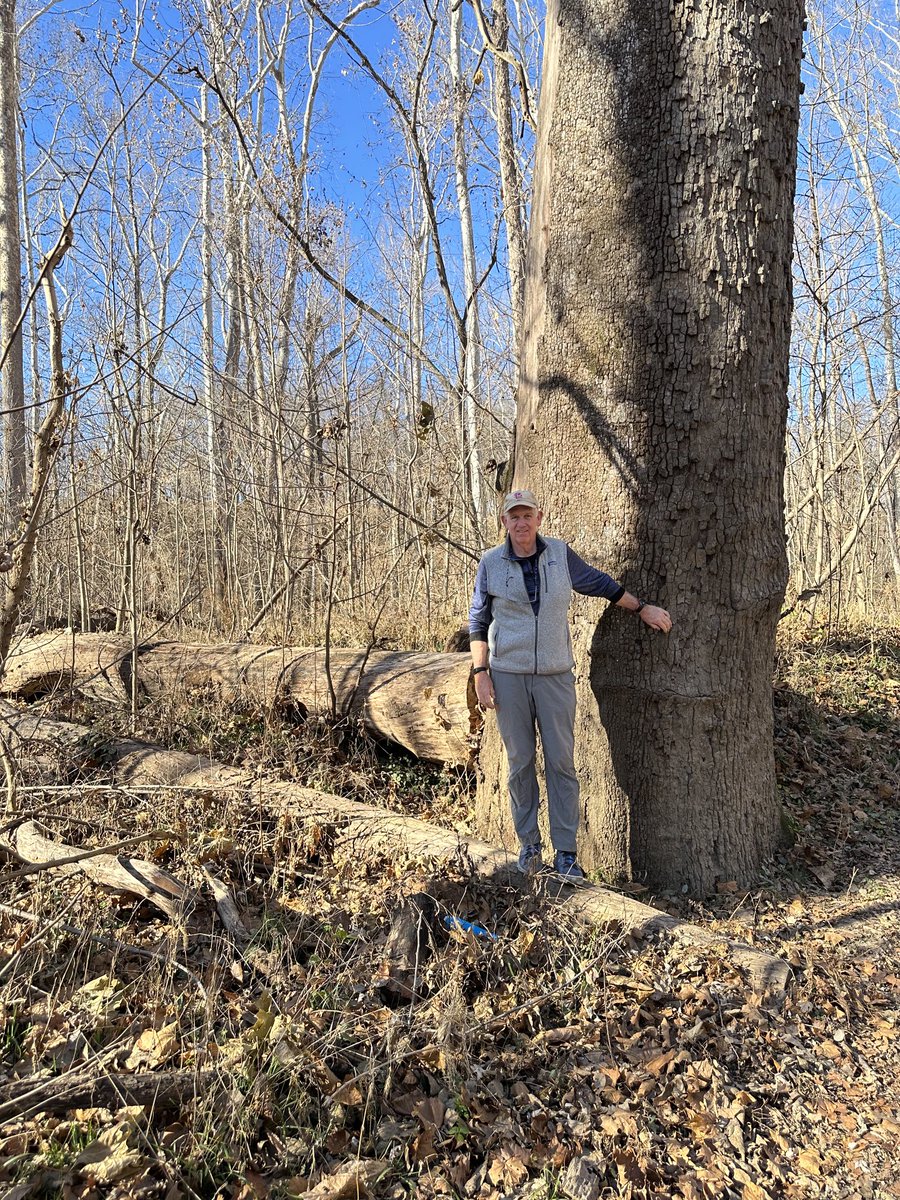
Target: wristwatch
x,y
476,670
641,604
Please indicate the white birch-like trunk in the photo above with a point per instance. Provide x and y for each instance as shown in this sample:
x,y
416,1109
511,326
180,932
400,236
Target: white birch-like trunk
x,y
471,351
12,384
510,176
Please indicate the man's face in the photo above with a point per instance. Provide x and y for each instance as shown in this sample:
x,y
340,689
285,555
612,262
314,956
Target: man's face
x,y
522,524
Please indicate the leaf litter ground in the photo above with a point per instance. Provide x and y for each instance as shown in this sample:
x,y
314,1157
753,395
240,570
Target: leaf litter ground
x,y
555,1060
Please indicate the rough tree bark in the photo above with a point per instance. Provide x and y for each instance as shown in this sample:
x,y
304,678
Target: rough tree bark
x,y
652,410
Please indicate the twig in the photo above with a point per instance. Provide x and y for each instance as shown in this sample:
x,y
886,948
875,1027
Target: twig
x,y
508,57
137,789
16,1105
9,770
81,1089
42,933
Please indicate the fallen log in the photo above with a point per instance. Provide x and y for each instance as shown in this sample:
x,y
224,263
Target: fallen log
x,y
132,875
159,1090
424,702
371,828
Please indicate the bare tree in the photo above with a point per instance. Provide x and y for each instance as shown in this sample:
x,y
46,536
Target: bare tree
x,y
652,408
12,383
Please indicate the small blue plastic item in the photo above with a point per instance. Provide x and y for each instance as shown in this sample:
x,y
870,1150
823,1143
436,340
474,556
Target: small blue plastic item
x,y
468,927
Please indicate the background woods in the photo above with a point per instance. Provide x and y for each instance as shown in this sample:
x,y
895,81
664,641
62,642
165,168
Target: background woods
x,y
289,262
290,310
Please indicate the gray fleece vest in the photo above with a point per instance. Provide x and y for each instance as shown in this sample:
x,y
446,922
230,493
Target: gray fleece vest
x,y
519,641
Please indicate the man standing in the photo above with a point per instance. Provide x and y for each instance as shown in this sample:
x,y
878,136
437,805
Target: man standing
x,y
522,661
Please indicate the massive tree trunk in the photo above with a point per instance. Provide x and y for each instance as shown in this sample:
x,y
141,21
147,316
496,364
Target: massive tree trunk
x,y
652,410
422,701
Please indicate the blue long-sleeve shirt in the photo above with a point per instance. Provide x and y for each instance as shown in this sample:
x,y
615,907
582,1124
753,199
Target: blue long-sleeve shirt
x,y
586,580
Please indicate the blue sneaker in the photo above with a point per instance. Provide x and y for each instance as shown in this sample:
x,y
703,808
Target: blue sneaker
x,y
530,861
566,867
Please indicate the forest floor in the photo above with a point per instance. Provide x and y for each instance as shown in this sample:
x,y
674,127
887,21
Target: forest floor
x,y
553,1060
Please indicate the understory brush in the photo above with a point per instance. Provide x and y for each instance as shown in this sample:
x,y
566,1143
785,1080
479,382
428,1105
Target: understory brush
x,y
538,1056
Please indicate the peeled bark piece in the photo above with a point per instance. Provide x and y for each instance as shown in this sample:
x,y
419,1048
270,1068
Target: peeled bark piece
x,y
132,875
424,702
366,827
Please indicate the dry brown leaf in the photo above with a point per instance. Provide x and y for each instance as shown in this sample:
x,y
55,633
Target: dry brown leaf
x,y
431,1056
735,1135
509,1167
628,1168
559,1036
431,1112
825,874
701,1124
754,1191
655,1065
423,1146
98,996
109,1157
809,1162
348,1093
350,1182
620,1121
154,1047
253,1187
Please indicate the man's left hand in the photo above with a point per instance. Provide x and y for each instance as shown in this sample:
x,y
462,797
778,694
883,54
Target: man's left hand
x,y
656,618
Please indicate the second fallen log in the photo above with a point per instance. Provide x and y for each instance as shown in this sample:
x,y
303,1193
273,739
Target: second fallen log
x,y
119,872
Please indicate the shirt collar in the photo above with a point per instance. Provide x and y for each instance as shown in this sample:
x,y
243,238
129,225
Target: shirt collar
x,y
510,553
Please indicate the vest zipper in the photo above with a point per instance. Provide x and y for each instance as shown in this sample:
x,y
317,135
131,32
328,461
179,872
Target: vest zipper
x,y
542,584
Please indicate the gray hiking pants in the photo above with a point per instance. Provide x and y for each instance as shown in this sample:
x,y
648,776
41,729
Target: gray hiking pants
x,y
548,702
